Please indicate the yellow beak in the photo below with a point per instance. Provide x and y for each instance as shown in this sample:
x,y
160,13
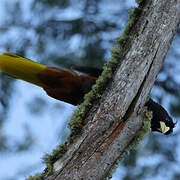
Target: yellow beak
x,y
163,128
21,68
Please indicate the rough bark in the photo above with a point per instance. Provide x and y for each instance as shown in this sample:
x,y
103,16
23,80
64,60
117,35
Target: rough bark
x,y
112,125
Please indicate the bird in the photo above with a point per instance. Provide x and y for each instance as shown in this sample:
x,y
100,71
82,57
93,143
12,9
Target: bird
x,y
70,85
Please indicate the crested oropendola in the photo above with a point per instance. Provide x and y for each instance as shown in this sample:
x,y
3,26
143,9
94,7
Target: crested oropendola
x,y
70,85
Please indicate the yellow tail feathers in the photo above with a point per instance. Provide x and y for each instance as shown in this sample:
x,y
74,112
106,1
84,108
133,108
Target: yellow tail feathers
x,y
21,68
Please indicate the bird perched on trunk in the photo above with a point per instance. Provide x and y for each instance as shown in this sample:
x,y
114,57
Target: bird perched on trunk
x,y
70,85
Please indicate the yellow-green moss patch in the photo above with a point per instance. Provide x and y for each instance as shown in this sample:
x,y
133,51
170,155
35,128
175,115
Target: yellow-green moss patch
x,y
37,176
56,154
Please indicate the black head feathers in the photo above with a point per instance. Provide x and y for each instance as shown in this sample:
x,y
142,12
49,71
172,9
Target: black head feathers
x,y
161,121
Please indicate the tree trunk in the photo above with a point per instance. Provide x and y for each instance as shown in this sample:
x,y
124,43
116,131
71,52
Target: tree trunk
x,y
113,123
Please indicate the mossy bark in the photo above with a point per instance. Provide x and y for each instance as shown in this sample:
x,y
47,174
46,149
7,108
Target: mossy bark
x,y
111,120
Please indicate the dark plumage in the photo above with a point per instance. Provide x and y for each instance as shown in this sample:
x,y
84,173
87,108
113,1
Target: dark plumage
x,y
160,115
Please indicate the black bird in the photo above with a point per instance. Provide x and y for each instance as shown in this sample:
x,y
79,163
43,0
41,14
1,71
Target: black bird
x,y
161,121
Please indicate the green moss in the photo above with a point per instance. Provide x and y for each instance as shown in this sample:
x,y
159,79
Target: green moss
x,y
136,140
37,176
57,153
133,14
139,1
